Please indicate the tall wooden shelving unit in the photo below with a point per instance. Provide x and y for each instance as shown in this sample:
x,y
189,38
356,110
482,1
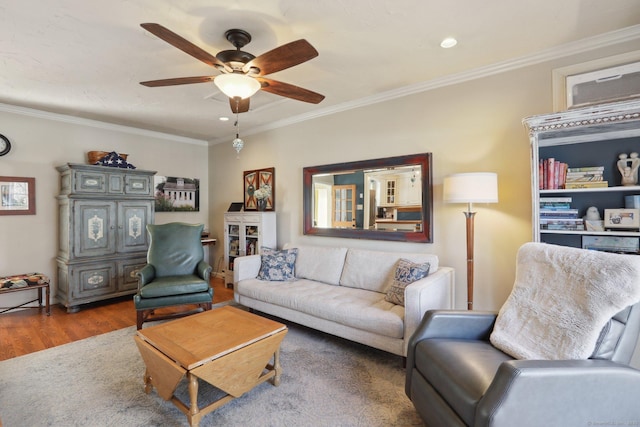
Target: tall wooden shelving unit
x,y
581,137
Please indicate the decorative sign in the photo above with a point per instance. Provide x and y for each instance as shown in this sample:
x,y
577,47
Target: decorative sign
x,y
256,180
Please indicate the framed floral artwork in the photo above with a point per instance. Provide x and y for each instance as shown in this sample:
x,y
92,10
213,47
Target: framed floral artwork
x,y
260,189
17,195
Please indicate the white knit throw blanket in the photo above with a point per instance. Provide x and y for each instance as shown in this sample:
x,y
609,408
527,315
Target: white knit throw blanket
x,y
561,300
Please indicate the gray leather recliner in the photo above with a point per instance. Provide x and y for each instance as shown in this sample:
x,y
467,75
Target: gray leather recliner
x,y
455,377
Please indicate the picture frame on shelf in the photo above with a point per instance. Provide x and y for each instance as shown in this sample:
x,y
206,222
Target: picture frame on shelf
x,y
17,195
622,219
255,179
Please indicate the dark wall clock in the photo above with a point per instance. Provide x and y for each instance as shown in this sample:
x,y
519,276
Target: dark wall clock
x,y
5,145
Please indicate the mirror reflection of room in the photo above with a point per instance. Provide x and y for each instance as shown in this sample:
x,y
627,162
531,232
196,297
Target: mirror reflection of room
x,y
384,199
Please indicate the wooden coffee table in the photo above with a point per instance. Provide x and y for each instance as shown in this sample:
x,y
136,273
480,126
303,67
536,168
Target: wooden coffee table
x,y
229,348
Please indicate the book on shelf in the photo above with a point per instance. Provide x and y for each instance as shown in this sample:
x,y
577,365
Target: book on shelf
x,y
560,227
586,169
551,174
556,199
555,206
562,213
586,184
559,221
589,177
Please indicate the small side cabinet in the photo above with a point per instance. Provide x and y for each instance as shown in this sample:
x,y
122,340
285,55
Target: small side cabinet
x,y
103,214
244,234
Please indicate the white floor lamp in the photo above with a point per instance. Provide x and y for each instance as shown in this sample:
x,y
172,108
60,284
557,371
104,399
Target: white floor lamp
x,y
475,187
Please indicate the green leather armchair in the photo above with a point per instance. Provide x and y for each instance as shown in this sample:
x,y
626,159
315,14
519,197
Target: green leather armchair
x,y
175,274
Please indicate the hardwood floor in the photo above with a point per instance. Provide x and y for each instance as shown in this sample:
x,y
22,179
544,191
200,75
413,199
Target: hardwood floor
x,y
27,331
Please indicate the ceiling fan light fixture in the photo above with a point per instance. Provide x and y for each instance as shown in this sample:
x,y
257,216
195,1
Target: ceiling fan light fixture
x,y
237,85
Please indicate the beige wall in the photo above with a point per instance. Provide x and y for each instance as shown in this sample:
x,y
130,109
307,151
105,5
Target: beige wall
x,y
472,126
39,144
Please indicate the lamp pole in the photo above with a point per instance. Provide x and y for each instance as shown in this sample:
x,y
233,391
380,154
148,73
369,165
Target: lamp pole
x,y
470,216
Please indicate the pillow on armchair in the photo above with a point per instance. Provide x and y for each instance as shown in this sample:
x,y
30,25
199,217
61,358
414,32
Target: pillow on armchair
x,y
278,266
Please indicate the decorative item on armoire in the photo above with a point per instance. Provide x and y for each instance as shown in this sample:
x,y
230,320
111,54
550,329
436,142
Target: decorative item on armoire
x,y
259,189
109,158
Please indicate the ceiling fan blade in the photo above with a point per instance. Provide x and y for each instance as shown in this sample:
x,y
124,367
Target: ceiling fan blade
x,y
282,57
185,45
239,105
289,91
178,81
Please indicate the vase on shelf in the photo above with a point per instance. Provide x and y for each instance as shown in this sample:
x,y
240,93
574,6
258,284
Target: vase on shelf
x,y
261,204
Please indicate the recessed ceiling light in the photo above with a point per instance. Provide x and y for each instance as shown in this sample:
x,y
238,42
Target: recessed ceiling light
x,y
224,119
448,42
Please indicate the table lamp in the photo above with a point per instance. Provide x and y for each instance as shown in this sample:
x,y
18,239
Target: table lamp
x,y
475,187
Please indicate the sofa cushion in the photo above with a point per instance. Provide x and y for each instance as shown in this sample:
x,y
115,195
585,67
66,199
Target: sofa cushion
x,y
357,308
277,265
406,273
323,264
374,270
174,285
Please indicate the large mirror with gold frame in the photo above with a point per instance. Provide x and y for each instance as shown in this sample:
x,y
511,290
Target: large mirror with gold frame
x,y
382,199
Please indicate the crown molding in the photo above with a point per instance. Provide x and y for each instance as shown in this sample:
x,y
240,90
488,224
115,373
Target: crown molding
x,y
31,112
568,49
584,45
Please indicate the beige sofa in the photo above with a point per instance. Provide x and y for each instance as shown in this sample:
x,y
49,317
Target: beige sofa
x,y
342,291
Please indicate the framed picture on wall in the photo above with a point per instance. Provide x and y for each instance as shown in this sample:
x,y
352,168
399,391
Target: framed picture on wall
x,y
174,194
17,195
260,189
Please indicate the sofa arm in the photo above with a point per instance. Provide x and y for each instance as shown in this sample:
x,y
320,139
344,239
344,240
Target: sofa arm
x,y
246,267
145,275
434,292
561,393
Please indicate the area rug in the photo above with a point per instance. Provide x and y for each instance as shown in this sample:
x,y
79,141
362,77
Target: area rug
x,y
326,381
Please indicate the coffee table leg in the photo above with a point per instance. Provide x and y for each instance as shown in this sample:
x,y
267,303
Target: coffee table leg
x,y
147,382
277,368
194,412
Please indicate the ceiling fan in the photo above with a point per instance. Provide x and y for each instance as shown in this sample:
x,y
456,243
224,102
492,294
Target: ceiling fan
x,y
241,71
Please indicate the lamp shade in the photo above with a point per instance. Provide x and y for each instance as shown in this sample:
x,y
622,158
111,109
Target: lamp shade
x,y
235,84
475,187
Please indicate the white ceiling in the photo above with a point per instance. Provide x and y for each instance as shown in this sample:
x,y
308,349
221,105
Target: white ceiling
x,y
86,58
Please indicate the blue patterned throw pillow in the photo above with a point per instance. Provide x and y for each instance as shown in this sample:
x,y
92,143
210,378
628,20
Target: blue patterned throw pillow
x,y
278,266
406,273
